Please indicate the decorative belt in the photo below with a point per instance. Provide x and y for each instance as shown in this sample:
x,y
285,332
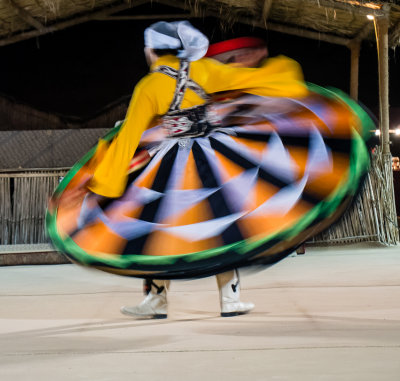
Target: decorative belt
x,y
191,122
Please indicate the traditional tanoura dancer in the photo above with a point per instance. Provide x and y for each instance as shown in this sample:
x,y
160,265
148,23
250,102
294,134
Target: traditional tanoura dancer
x,y
218,180
241,52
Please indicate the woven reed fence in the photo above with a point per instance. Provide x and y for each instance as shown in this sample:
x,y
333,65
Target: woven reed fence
x,y
5,211
23,202
372,217
24,197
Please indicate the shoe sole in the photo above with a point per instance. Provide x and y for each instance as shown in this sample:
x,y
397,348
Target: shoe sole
x,y
161,316
157,316
231,314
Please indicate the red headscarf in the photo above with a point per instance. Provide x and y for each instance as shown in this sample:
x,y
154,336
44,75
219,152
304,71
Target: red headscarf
x,y
234,44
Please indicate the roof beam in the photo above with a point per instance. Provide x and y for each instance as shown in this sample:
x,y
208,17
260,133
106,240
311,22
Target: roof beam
x,y
295,31
26,16
363,33
104,14
272,26
351,6
308,34
176,4
66,24
147,17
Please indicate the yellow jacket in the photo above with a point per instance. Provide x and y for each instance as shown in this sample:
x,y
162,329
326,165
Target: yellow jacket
x,y
278,77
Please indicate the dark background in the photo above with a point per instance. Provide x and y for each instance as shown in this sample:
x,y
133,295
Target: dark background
x,y
78,71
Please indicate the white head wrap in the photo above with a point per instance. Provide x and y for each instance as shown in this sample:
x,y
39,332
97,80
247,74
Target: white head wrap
x,y
181,35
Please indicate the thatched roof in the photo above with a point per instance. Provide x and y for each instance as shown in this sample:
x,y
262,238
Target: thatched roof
x,y
336,21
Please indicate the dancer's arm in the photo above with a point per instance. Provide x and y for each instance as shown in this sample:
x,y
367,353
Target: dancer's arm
x,y
278,77
110,176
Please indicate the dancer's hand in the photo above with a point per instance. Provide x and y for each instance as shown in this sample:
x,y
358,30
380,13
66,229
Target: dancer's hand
x,y
71,198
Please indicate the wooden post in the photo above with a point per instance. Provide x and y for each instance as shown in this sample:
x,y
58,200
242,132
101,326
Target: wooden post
x,y
355,63
388,204
382,25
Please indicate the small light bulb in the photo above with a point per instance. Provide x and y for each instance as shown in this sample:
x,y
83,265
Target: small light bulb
x,y
377,132
397,131
370,17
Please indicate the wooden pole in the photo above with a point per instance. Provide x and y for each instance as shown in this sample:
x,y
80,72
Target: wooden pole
x,y
355,47
382,26
388,204
355,63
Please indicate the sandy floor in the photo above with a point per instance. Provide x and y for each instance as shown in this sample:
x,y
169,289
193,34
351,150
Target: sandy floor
x,y
332,314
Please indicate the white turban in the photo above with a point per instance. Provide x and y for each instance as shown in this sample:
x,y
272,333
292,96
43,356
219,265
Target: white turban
x,y
181,35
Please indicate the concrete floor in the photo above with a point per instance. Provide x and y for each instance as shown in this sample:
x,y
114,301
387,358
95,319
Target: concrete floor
x,y
332,314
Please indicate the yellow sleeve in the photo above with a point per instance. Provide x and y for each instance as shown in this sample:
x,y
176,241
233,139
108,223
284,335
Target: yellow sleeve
x,y
278,77
110,175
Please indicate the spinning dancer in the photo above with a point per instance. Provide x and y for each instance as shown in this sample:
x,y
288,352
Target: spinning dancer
x,y
242,52
218,180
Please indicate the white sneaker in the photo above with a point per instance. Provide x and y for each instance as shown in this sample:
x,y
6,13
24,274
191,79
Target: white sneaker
x,y
229,293
235,308
154,305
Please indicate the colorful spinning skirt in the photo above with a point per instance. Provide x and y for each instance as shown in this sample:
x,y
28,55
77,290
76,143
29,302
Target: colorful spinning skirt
x,y
274,173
